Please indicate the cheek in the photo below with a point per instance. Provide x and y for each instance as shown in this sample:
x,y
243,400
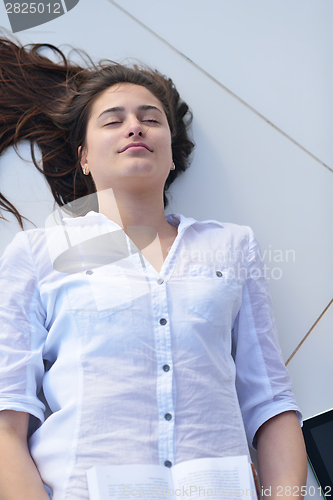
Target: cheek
x,y
166,146
165,152
98,146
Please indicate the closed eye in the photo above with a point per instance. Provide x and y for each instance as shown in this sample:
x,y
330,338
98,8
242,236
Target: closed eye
x,y
111,123
150,121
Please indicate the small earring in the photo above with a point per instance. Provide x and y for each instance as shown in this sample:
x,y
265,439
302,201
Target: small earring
x,y
85,170
173,166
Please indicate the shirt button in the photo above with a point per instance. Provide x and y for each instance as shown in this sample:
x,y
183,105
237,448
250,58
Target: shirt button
x,y
168,416
218,274
160,281
89,272
166,368
163,321
167,463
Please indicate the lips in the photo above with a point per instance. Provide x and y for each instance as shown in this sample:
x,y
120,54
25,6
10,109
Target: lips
x,y
136,145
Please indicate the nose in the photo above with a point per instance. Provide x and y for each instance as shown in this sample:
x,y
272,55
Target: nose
x,y
136,128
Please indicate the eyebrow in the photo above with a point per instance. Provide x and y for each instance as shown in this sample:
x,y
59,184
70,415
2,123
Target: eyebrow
x,y
117,109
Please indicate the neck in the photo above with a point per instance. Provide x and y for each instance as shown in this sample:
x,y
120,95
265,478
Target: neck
x,y
134,209
141,217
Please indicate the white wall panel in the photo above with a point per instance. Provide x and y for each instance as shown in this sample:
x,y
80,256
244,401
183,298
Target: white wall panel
x,y
27,189
312,369
274,55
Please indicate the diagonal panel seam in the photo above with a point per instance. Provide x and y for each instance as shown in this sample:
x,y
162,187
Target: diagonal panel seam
x,y
63,6
226,89
308,333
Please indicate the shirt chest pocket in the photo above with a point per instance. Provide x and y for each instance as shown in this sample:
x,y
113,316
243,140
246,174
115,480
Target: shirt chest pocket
x,y
105,289
110,289
210,295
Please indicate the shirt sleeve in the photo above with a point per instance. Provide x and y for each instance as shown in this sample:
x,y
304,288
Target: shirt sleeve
x,y
22,334
262,381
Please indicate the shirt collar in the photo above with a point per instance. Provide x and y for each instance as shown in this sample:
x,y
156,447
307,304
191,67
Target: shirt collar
x,y
176,220
180,221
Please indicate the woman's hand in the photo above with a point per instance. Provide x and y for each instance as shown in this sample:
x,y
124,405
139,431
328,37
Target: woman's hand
x,y
282,460
19,477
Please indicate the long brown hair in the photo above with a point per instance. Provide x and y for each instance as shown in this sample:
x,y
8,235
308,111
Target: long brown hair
x,y
48,103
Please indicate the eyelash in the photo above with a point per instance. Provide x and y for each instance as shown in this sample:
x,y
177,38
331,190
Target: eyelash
x,y
149,120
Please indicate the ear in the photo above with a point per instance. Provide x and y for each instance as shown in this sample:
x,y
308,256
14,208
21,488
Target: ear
x,y
82,154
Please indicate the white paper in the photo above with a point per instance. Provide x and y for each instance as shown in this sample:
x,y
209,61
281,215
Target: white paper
x,y
128,482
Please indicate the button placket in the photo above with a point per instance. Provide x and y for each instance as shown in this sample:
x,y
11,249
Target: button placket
x,y
164,377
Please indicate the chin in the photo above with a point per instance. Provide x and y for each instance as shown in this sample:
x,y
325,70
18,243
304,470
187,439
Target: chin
x,y
139,170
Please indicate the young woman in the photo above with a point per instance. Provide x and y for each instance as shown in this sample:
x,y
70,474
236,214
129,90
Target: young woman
x,y
145,352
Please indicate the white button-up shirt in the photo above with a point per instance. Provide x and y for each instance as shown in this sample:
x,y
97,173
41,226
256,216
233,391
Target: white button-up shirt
x,y
137,367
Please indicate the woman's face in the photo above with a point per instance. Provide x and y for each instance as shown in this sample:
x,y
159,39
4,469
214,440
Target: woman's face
x,y
128,140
